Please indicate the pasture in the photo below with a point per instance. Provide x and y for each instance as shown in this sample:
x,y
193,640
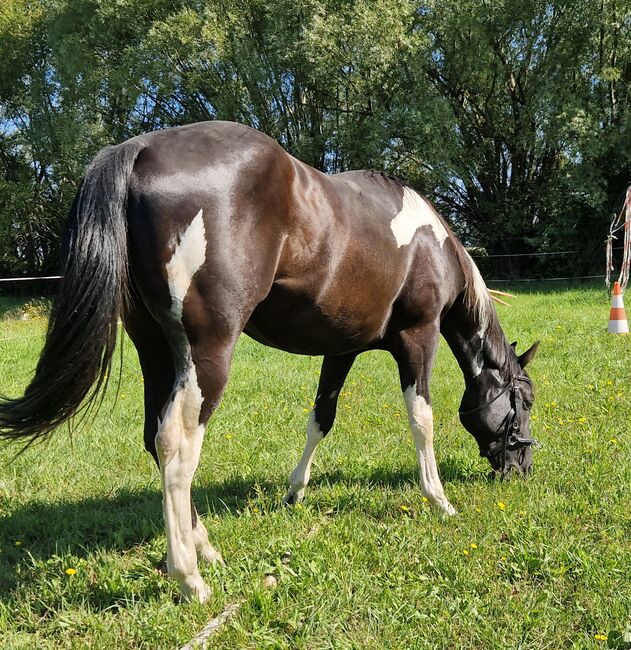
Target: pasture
x,y
363,563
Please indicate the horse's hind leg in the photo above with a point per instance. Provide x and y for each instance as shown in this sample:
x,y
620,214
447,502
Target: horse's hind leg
x,y
156,361
200,379
332,376
414,353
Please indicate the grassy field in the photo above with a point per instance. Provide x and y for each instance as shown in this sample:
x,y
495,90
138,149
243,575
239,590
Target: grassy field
x,y
364,563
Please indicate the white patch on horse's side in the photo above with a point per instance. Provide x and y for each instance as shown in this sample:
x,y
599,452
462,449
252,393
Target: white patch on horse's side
x,y
415,213
187,258
300,476
422,426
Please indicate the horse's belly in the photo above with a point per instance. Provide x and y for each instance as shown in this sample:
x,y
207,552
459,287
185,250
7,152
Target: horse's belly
x,y
296,323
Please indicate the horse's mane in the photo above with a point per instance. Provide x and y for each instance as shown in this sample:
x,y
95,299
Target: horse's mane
x,y
375,174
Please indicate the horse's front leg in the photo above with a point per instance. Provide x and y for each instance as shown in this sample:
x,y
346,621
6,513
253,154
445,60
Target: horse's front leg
x,y
332,377
414,353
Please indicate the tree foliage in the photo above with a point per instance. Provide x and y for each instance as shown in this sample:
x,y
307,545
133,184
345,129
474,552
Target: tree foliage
x,y
513,115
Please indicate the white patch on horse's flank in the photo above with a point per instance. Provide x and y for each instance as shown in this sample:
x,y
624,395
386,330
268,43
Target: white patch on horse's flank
x,y
422,426
187,258
415,213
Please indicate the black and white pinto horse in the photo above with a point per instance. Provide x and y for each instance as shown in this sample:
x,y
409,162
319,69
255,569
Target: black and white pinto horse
x,y
195,234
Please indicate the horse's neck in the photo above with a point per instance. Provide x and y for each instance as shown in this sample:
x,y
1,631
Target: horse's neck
x,y
475,347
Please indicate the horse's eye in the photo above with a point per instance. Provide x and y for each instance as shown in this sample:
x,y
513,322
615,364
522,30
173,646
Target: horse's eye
x,y
527,405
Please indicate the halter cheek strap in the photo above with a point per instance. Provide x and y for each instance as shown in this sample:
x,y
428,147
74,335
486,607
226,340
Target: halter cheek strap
x,y
511,439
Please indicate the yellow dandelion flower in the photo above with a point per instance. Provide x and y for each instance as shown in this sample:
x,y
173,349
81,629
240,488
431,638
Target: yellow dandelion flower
x,y
228,436
553,404
298,506
600,637
501,505
465,552
609,382
18,542
613,441
424,499
590,386
473,545
582,419
478,509
70,571
404,508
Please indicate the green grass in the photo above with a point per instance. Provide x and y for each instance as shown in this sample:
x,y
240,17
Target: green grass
x,y
371,566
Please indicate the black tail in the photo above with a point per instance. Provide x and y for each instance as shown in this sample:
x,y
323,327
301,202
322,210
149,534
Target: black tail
x,y
81,336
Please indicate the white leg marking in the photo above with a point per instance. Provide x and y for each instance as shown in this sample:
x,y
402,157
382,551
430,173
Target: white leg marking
x,y
415,213
422,425
179,442
300,476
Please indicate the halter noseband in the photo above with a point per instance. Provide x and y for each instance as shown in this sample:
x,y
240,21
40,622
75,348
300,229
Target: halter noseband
x,y
511,440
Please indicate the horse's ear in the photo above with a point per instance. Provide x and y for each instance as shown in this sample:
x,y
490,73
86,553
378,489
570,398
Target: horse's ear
x,y
525,358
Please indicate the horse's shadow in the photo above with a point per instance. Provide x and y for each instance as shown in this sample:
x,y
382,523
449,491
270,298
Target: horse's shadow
x,y
40,531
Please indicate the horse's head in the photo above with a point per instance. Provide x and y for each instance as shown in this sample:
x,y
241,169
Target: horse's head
x,y
496,411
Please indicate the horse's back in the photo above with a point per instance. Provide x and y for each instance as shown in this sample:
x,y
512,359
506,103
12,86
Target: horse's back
x,y
303,261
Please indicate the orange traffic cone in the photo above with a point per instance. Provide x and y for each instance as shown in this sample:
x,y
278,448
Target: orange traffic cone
x,y
617,318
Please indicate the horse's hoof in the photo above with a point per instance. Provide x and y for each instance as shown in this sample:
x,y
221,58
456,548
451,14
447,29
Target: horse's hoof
x,y
198,592
445,508
292,498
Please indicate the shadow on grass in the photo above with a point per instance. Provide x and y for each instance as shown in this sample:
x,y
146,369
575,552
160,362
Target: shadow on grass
x,y
42,530
130,518
450,470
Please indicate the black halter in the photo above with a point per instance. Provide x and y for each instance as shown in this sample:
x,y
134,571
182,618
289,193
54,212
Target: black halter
x,y
511,439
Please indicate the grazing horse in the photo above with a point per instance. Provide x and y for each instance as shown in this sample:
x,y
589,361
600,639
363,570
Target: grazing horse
x,y
195,234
